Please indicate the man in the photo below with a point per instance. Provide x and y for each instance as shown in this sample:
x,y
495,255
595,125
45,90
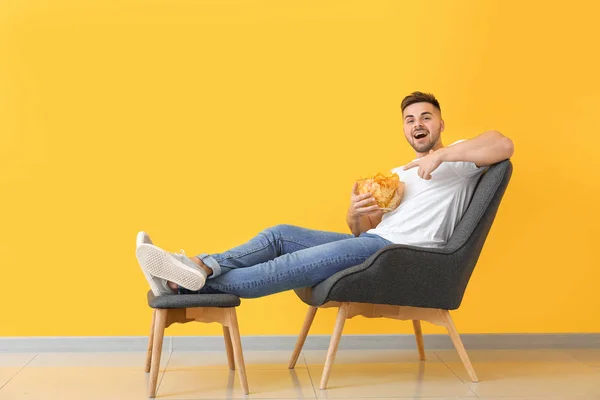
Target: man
x,y
438,186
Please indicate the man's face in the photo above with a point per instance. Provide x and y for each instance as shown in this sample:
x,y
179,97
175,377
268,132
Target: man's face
x,y
422,126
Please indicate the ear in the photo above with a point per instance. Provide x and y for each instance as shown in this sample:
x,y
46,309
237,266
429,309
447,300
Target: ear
x,y
442,126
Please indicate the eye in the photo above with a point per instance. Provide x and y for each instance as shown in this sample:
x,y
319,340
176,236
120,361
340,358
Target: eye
x,y
410,121
427,118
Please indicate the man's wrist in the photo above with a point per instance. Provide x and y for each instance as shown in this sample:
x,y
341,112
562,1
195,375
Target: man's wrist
x,y
351,217
351,221
443,154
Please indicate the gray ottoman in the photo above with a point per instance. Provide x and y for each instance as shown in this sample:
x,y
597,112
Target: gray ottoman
x,y
184,308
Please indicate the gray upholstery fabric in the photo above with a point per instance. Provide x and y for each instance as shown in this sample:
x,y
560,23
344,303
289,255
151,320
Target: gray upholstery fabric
x,y
193,300
421,277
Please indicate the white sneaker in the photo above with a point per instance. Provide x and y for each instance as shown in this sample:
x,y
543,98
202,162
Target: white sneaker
x,y
163,267
158,286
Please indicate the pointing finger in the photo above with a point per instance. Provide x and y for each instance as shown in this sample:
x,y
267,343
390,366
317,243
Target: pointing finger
x,y
411,165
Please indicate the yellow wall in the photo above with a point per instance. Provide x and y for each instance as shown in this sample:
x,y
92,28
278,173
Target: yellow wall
x,y
203,122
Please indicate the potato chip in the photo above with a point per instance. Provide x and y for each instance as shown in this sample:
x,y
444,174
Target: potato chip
x,y
381,186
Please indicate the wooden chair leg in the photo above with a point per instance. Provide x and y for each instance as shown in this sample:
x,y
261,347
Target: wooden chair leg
x,y
419,338
333,344
237,347
458,344
159,332
150,341
308,320
228,348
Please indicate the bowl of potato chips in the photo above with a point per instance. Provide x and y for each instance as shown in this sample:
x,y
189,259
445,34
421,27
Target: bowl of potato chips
x,y
383,187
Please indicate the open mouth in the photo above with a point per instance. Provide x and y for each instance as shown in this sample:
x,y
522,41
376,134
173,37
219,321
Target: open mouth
x,y
420,134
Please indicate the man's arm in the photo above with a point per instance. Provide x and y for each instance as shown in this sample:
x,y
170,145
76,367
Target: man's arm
x,y
363,213
486,149
360,224
361,218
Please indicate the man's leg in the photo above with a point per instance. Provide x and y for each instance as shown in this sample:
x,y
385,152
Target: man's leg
x,y
301,268
267,245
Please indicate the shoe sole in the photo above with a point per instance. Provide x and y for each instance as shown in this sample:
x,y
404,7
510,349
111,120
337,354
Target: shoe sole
x,y
143,238
157,262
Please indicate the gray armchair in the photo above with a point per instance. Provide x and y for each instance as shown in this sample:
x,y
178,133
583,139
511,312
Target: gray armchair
x,y
411,283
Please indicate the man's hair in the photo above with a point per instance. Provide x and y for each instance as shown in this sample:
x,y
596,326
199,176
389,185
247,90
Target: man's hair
x,y
420,97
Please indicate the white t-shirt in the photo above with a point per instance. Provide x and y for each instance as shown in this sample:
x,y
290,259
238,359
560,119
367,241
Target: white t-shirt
x,y
430,209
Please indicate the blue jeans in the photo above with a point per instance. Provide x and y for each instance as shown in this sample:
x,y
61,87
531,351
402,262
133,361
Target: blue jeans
x,y
285,257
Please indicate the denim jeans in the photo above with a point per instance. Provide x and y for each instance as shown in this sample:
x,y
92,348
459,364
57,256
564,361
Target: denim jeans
x,y
285,257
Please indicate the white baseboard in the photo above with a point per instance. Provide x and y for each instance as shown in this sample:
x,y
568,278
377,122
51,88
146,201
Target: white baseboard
x,y
313,342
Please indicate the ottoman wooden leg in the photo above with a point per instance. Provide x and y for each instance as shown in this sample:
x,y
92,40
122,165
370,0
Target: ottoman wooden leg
x,y
159,331
229,348
237,347
150,341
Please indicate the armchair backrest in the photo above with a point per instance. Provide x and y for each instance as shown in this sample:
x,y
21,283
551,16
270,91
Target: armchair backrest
x,y
477,220
469,236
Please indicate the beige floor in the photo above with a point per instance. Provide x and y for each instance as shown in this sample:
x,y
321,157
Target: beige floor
x,y
504,374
